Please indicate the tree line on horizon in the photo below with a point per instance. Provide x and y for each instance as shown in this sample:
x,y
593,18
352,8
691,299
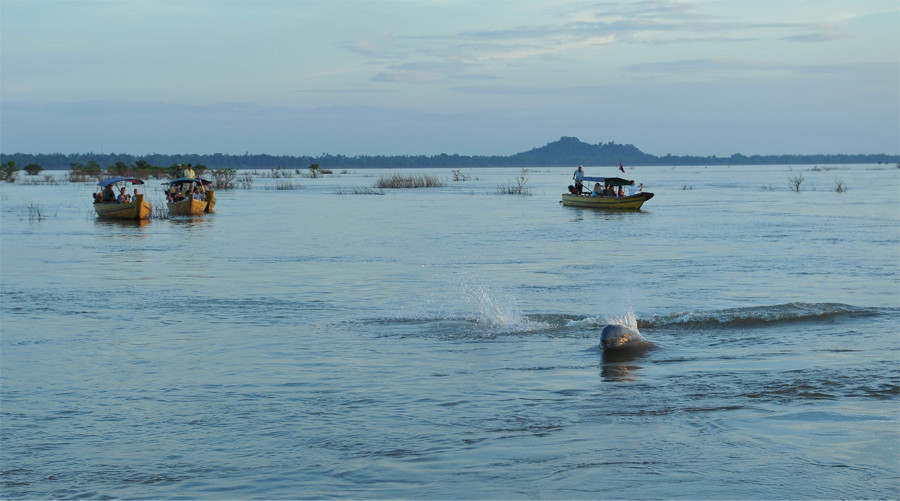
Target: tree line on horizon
x,y
567,151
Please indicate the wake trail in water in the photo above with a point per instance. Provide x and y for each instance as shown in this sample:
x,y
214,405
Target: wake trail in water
x,y
757,315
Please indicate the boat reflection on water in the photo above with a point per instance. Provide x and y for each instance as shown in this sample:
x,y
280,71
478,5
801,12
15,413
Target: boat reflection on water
x,y
125,223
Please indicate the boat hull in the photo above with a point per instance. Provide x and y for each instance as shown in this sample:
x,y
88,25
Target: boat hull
x,y
136,209
191,207
632,202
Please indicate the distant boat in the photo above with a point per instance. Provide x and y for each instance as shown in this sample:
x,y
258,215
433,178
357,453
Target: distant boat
x,y
630,202
183,194
107,207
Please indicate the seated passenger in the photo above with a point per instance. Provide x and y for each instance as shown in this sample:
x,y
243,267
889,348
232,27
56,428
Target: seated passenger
x,y
633,190
597,190
621,192
123,197
108,194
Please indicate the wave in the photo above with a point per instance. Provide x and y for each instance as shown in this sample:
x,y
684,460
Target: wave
x,y
499,314
757,315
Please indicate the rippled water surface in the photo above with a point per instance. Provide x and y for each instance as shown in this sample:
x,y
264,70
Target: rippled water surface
x,y
327,342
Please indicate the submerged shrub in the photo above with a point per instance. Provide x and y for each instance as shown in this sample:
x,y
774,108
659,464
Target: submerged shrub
x,y
412,181
223,179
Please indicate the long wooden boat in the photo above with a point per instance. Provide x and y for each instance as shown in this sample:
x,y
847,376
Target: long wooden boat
x,y
633,202
181,200
630,202
106,207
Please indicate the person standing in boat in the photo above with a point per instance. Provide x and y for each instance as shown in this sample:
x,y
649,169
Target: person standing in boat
x,y
579,177
189,171
108,194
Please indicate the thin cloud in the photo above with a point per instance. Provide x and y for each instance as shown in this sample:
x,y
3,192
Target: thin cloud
x,y
436,57
355,90
716,66
822,36
703,66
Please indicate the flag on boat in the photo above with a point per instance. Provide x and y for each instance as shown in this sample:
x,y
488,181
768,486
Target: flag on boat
x,y
622,168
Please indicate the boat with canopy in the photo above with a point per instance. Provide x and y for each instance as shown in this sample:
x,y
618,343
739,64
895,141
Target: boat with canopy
x,y
189,196
108,206
607,201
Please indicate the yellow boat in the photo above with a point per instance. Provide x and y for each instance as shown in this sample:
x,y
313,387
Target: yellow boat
x,y
107,207
630,202
633,202
181,199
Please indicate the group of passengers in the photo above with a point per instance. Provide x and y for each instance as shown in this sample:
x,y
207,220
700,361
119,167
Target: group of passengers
x,y
108,196
610,191
178,193
607,191
603,191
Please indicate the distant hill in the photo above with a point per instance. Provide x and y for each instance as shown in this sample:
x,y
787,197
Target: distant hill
x,y
572,151
567,151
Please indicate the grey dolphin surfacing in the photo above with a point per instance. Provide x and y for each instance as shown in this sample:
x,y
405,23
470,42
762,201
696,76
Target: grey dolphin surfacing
x,y
619,337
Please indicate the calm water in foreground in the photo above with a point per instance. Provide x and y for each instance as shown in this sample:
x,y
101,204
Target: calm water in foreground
x,y
442,343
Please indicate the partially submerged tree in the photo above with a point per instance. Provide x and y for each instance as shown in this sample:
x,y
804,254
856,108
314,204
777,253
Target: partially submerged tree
x,y
33,169
9,171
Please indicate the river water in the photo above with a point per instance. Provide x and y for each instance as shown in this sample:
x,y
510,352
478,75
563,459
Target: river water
x,y
441,343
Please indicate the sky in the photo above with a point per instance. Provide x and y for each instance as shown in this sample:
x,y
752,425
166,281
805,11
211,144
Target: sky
x,y
425,77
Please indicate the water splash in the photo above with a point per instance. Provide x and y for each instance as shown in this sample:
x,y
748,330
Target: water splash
x,y
627,319
495,310
471,299
499,311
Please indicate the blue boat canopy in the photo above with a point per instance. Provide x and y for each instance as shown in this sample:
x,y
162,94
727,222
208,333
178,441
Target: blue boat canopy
x,y
114,180
186,180
609,181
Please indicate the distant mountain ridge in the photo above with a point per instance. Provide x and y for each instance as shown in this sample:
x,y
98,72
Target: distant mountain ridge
x,y
572,151
567,151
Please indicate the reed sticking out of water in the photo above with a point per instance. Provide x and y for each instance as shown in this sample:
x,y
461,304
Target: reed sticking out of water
x,y
840,186
519,187
412,181
159,208
795,182
459,176
48,179
35,212
284,185
359,191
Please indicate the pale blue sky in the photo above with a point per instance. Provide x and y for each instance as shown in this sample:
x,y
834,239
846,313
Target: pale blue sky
x,y
295,77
